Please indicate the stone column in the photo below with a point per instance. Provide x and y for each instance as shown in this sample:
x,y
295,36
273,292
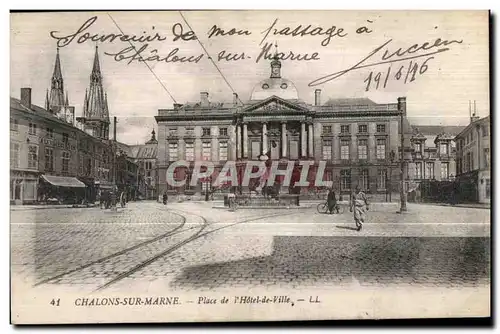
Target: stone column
x,y
283,139
264,138
245,140
310,141
238,141
303,140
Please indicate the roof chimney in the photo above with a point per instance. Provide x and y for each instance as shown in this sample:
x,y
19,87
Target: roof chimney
x,y
235,99
317,97
26,97
204,99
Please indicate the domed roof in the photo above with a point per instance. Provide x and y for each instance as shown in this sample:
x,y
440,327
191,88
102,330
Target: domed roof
x,y
275,86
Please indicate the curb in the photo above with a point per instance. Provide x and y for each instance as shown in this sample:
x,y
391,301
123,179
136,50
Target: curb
x,y
21,208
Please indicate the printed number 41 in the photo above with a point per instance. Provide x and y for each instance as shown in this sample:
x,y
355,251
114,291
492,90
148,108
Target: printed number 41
x,y
55,302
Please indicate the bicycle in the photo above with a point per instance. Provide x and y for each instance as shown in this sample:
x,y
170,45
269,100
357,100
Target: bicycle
x,y
323,208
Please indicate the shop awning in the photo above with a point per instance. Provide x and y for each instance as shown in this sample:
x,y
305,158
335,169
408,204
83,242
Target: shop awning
x,y
64,181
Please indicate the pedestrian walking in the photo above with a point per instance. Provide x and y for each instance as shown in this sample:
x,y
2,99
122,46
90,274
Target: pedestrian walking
x,y
359,205
165,198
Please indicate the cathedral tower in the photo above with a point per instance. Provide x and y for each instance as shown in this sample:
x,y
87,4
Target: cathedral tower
x,y
95,119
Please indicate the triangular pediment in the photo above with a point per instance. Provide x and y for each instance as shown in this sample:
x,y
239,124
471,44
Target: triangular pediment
x,y
274,104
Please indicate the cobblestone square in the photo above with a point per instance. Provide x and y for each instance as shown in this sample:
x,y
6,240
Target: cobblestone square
x,y
194,246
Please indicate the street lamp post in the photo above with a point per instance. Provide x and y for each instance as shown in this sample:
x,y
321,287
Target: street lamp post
x,y
113,193
402,167
392,155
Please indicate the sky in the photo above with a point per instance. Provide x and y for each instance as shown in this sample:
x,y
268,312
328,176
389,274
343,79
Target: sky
x,y
438,94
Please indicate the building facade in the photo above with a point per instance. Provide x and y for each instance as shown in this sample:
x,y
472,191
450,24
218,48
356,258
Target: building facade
x,y
433,153
145,156
54,157
48,155
474,161
358,138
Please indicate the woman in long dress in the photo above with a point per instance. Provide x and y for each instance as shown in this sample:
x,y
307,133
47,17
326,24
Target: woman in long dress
x,y
359,205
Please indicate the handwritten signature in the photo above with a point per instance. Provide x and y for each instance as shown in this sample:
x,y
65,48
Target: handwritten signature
x,y
389,57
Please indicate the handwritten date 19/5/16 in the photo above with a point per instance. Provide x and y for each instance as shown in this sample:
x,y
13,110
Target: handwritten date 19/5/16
x,y
408,73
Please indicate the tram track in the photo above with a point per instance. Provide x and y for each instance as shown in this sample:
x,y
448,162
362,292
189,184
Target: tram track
x,y
88,270
198,234
174,231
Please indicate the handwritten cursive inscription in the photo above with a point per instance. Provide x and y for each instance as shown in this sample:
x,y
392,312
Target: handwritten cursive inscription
x,y
216,31
82,36
301,31
132,54
268,55
388,57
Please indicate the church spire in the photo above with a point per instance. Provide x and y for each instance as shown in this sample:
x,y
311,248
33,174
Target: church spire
x,y
95,106
96,68
57,74
56,100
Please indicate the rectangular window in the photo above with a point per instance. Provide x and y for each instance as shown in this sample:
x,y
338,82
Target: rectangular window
x,y
381,149
486,130
344,149
429,170
33,157
327,150
345,179
418,147
486,157
381,179
418,170
363,180
294,149
65,162
80,163
50,133
49,159
444,148
223,151
362,149
14,124
381,128
32,128
344,129
173,151
488,188
206,151
65,138
189,151
189,131
444,170
223,131
327,129
14,155
362,128
206,131
255,149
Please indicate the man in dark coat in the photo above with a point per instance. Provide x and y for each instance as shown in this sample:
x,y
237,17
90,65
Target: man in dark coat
x,y
332,202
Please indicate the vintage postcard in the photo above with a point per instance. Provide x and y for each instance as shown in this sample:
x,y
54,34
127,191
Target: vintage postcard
x,y
221,166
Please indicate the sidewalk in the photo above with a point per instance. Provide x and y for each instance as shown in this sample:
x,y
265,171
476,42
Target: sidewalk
x,y
51,206
460,205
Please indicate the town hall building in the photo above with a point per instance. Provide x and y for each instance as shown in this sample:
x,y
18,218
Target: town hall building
x,y
357,138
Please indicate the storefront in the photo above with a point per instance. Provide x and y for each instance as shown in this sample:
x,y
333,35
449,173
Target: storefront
x,y
61,190
23,187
